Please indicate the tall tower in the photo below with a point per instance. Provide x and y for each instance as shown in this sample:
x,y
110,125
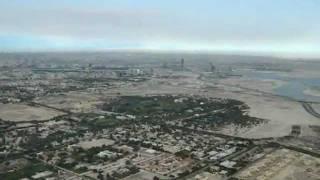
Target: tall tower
x,y
182,64
213,68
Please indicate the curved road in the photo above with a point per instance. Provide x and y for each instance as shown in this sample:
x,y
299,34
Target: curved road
x,y
308,107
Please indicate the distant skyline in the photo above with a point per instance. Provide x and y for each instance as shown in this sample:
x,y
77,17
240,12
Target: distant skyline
x,y
288,28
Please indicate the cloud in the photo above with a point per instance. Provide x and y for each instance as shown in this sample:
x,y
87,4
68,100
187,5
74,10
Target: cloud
x,y
245,25
142,24
79,23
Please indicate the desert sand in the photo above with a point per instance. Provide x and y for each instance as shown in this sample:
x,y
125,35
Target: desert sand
x,y
22,112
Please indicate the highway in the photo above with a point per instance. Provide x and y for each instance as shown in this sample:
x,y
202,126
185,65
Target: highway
x,y
308,107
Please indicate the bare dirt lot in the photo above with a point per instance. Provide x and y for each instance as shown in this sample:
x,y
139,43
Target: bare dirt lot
x,y
22,112
283,164
72,101
95,143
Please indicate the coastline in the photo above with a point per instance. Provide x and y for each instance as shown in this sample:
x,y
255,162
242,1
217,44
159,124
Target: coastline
x,y
312,92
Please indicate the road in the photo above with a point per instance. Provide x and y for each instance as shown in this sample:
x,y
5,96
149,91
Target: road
x,y
76,175
308,107
300,149
50,107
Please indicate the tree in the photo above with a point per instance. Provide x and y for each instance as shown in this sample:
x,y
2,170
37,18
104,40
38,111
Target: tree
x,y
109,177
136,148
100,176
128,162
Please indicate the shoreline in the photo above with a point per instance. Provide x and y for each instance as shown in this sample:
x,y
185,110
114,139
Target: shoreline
x,y
312,92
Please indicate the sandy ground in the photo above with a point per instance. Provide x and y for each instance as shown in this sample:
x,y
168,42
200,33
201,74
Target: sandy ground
x,y
316,107
95,143
266,85
72,101
283,164
282,114
21,112
207,176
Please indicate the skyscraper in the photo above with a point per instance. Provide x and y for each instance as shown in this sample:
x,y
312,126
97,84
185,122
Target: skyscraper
x,y
182,64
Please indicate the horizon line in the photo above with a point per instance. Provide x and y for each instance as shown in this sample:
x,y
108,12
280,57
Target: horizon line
x,y
166,51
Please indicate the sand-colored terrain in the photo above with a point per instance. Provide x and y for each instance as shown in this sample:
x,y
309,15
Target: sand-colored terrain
x,y
22,112
283,164
95,143
72,101
316,107
282,114
265,85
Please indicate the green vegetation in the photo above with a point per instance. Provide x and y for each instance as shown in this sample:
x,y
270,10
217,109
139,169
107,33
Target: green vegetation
x,y
31,169
70,160
214,112
233,115
183,153
156,105
97,123
37,143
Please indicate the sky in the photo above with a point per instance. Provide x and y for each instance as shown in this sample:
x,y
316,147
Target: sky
x,y
275,27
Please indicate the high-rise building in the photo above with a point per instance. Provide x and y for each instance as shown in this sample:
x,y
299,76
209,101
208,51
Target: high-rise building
x,y
182,64
213,68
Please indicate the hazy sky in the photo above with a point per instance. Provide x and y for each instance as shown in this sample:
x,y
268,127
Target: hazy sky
x,y
284,27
